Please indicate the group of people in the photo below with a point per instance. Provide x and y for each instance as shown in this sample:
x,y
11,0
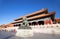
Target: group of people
x,y
13,30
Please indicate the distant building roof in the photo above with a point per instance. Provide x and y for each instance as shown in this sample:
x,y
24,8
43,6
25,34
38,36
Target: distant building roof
x,y
57,19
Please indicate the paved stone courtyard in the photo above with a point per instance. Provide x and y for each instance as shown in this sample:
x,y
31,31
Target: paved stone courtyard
x,y
11,35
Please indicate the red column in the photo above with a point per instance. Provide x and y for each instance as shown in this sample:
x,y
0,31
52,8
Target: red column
x,y
31,23
50,22
46,21
37,23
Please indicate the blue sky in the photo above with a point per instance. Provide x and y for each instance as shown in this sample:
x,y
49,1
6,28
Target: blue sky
x,y
12,9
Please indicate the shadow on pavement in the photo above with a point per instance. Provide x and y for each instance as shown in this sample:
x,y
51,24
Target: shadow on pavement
x,y
9,37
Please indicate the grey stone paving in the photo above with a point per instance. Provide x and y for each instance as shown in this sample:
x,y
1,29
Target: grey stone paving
x,y
11,35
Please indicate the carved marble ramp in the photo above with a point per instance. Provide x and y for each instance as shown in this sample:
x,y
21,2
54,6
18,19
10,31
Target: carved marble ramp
x,y
24,33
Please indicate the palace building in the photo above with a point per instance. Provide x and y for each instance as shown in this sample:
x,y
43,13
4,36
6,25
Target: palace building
x,y
40,17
